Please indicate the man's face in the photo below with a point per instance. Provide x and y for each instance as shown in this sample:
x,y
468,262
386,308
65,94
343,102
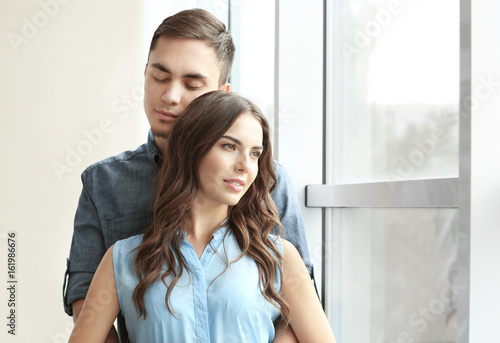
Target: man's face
x,y
179,70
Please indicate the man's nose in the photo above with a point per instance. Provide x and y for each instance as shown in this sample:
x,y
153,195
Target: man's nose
x,y
172,94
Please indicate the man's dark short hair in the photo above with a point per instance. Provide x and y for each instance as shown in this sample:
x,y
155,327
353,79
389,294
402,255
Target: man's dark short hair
x,y
202,25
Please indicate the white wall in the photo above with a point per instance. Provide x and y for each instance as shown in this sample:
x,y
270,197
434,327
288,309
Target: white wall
x,y
485,176
70,70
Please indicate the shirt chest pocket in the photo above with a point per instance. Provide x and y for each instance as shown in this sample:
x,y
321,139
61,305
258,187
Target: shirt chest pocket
x,y
126,226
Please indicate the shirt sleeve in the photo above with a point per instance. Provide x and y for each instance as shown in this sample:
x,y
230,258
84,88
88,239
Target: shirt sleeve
x,y
87,247
286,201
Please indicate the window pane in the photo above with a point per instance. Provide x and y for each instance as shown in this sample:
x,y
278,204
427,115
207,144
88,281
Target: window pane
x,y
397,90
398,275
253,68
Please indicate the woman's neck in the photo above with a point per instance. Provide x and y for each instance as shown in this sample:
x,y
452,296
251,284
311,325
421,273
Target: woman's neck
x,y
204,222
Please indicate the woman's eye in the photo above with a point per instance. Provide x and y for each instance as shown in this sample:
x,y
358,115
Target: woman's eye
x,y
229,146
256,154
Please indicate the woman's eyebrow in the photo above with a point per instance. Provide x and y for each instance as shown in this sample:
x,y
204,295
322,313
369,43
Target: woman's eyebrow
x,y
237,141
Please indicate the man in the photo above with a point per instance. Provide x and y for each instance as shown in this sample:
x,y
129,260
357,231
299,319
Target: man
x,y
191,53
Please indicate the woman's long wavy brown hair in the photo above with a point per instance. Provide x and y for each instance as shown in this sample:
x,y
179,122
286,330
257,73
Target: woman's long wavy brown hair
x,y
251,220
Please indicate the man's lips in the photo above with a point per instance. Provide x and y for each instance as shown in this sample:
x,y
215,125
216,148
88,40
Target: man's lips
x,y
165,115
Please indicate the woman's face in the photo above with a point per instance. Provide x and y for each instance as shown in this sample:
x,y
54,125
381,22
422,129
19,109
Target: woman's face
x,y
231,165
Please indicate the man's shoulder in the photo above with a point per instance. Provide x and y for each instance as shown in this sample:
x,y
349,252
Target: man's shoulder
x,y
128,158
282,175
278,167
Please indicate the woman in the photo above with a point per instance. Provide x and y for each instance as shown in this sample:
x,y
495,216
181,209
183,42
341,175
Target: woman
x,y
208,269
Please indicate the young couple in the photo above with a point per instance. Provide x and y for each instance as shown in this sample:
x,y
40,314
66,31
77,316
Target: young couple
x,y
207,267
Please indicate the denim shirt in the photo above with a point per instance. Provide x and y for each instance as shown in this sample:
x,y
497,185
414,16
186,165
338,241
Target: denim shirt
x,y
117,202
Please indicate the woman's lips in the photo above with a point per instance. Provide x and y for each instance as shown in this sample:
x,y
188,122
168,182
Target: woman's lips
x,y
235,184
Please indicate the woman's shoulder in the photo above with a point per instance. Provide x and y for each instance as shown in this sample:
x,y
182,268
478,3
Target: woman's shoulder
x,y
127,245
132,240
277,241
290,252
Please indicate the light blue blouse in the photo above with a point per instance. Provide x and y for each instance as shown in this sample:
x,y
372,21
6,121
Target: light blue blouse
x,y
209,307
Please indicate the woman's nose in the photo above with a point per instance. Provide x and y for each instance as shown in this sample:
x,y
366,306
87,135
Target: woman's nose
x,y
242,163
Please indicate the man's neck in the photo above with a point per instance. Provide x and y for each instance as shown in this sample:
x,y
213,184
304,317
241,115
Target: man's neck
x,y
161,144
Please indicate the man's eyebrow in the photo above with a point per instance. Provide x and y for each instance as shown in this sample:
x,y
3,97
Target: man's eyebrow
x,y
164,69
195,76
237,141
161,67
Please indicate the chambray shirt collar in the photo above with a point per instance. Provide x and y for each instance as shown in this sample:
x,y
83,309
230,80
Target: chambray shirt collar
x,y
153,152
216,236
